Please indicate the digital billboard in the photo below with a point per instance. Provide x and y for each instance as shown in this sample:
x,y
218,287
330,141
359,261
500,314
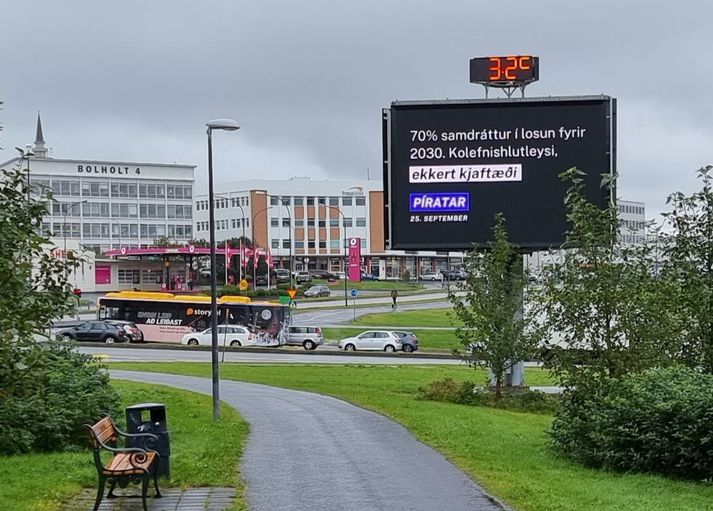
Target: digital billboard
x,y
450,166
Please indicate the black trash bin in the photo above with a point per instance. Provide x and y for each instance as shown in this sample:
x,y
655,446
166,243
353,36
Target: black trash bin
x,y
151,418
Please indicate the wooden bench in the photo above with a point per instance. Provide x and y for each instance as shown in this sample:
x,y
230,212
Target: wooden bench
x,y
126,464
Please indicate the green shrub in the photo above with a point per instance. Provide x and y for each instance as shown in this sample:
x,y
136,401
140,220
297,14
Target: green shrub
x,y
517,399
52,399
657,421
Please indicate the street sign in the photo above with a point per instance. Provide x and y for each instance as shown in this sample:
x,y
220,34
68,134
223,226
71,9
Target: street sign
x,y
292,293
243,285
354,293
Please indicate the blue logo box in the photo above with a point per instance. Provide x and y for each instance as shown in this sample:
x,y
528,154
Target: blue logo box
x,y
446,202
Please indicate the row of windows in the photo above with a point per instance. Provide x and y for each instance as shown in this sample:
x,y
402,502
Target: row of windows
x,y
333,244
222,225
105,230
99,188
223,203
633,210
123,210
633,225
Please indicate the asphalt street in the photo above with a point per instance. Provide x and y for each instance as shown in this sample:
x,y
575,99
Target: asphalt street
x,y
309,451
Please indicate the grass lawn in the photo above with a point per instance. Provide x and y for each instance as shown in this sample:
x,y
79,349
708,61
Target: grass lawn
x,y
433,340
413,319
374,285
203,453
504,451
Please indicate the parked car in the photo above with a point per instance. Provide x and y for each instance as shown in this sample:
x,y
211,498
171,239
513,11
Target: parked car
x,y
101,331
309,337
409,341
368,276
317,291
455,275
134,332
431,275
261,280
322,274
381,340
302,277
230,335
282,275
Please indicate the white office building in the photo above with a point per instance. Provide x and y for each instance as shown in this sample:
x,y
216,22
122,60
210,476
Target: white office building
x,y
106,205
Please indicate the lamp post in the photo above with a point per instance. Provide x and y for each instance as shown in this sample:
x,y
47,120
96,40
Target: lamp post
x,y
344,247
225,125
64,232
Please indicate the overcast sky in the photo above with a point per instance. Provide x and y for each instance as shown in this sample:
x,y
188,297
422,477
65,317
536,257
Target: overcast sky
x,y
137,80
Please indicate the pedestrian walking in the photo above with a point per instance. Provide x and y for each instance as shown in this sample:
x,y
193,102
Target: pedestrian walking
x,y
394,295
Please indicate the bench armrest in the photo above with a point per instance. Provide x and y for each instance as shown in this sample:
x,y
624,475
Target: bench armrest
x,y
152,440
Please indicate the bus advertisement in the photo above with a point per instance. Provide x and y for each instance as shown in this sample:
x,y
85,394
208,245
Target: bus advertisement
x,y
165,317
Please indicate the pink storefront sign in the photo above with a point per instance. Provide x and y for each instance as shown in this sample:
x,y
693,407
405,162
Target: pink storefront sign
x,y
354,259
102,274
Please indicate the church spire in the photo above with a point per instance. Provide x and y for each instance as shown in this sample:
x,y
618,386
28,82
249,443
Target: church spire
x,y
40,150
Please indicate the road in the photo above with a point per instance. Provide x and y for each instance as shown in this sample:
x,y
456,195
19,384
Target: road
x,y
309,451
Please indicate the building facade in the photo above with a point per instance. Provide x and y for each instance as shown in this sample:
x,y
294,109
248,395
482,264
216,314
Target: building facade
x,y
98,206
312,220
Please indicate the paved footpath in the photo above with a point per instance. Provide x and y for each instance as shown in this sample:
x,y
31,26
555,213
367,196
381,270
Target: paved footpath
x,y
312,452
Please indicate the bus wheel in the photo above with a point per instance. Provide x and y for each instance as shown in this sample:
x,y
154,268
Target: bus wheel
x,y
192,342
235,344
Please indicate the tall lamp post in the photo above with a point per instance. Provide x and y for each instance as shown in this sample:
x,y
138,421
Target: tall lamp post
x,y
64,231
344,247
225,125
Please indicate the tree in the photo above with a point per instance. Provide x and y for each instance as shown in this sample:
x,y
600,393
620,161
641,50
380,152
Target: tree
x,y
604,302
688,262
494,332
46,389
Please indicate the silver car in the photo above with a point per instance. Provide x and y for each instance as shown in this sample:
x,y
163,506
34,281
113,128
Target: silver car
x,y
309,337
382,340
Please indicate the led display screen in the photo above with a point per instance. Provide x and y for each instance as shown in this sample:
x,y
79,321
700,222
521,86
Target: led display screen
x,y
450,166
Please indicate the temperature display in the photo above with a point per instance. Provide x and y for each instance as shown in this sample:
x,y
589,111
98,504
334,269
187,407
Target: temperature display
x,y
512,69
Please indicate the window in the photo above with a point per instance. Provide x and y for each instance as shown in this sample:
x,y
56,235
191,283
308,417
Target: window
x,y
153,211
334,243
286,200
274,201
363,243
286,243
274,222
333,222
286,222
322,244
346,201
275,243
310,201
310,243
360,201
129,276
361,222
299,201
300,244
347,221
64,187
321,201
334,201
310,222
322,223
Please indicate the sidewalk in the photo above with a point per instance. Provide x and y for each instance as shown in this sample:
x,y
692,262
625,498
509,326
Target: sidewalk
x,y
174,499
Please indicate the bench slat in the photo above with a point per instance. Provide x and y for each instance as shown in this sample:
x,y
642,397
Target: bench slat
x,y
121,465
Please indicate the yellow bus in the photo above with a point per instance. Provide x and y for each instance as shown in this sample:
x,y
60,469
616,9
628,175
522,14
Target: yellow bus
x,y
165,317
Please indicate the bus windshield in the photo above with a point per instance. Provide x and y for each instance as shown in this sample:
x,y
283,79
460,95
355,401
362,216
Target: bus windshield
x,y
165,317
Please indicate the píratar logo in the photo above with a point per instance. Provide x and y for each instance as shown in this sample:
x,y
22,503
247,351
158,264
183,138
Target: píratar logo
x,y
446,202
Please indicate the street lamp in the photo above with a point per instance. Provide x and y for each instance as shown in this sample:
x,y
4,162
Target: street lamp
x,y
64,231
225,125
344,245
